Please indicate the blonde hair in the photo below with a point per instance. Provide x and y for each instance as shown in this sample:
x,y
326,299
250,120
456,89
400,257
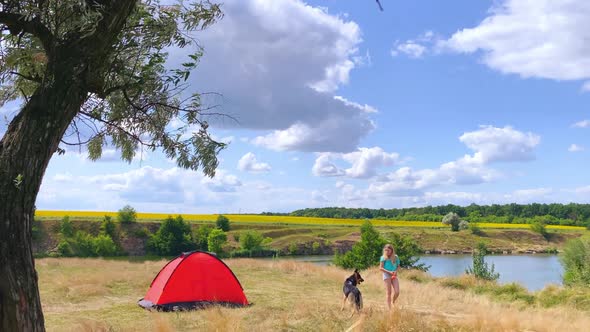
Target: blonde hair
x,y
388,246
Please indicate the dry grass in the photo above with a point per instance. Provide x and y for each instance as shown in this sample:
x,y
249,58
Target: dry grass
x,y
101,295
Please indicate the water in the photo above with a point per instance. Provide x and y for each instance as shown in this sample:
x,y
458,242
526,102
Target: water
x,y
532,271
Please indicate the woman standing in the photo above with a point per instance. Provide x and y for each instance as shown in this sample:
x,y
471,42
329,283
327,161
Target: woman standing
x,y
389,264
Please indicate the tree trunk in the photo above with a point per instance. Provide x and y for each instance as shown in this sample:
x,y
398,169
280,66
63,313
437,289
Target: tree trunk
x,y
25,150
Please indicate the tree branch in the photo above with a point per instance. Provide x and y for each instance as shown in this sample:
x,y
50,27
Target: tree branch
x,y
17,23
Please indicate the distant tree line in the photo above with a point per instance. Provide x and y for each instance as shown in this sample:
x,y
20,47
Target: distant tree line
x,y
552,214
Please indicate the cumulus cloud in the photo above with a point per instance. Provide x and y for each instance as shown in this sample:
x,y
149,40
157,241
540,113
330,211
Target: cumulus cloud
x,y
364,163
490,145
542,39
294,104
414,48
249,163
575,148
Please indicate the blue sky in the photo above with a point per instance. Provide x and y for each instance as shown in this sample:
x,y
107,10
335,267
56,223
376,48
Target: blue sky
x,y
429,102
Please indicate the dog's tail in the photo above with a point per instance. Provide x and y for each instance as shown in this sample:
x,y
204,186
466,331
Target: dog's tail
x,y
358,298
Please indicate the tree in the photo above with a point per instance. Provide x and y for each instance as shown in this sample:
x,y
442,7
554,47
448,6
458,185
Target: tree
x,y
173,238
480,268
92,71
408,251
222,223
364,253
452,219
576,262
127,214
253,240
540,228
215,241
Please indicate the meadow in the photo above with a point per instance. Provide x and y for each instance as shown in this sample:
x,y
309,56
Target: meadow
x,y
101,295
287,220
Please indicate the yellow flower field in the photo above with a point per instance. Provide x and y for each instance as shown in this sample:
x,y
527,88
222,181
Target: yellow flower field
x,y
247,218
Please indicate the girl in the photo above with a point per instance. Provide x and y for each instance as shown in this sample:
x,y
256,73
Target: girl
x,y
389,264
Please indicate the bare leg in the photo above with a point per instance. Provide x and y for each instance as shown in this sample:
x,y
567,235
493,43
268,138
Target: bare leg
x,y
395,283
387,283
343,303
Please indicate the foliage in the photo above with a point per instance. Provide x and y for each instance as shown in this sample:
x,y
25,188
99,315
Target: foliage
x,y
216,240
293,248
408,251
554,214
452,219
201,237
222,223
108,227
364,253
127,214
142,233
82,244
576,262
475,229
540,228
252,240
315,247
463,225
172,238
66,228
480,268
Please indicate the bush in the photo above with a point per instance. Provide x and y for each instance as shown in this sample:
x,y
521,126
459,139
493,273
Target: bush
x,y
215,241
463,225
127,214
315,247
173,238
452,219
108,227
293,249
222,223
576,262
480,268
251,240
201,237
83,244
364,253
142,233
66,228
540,228
475,229
408,251
64,248
104,246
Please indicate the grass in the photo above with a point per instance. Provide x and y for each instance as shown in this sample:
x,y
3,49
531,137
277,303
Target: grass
x,y
235,218
101,295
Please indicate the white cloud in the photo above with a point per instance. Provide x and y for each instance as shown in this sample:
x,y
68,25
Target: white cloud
x,y
249,163
493,144
490,145
575,148
364,163
365,108
582,124
585,87
245,60
540,38
414,48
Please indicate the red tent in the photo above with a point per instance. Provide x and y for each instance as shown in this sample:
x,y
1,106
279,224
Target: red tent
x,y
194,280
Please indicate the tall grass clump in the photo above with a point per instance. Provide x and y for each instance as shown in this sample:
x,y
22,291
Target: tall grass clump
x,y
576,262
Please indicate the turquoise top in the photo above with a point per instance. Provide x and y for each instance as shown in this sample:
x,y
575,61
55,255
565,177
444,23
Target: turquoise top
x,y
389,265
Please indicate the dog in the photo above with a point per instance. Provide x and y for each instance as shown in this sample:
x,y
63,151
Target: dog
x,y
350,287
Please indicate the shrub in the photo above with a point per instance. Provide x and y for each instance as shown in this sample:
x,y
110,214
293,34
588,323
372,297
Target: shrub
x,y
66,228
576,262
251,240
480,268
475,229
215,241
104,246
173,238
315,247
127,214
452,219
201,237
539,227
293,249
222,223
64,248
463,225
142,233
237,237
108,227
364,253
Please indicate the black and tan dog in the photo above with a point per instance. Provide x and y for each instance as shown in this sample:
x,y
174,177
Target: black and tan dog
x,y
350,287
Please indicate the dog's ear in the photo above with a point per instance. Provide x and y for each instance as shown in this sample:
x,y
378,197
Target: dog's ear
x,y
356,271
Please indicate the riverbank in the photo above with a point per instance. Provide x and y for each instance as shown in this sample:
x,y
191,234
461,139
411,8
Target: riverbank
x,y
295,239
101,295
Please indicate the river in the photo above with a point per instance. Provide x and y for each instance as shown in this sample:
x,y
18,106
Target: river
x,y
532,271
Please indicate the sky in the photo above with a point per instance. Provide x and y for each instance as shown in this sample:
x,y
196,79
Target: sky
x,y
339,104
